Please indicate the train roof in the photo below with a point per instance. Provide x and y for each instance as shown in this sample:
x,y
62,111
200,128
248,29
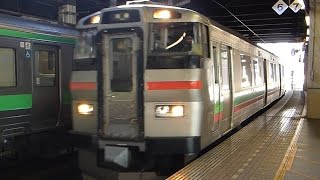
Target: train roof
x,y
218,25
24,24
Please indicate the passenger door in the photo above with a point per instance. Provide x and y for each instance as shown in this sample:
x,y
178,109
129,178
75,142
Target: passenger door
x,y
226,98
121,86
45,93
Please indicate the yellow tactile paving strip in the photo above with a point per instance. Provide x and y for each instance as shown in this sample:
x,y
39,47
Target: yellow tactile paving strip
x,y
254,152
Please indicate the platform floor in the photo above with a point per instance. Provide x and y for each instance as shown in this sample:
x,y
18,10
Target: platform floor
x,y
279,144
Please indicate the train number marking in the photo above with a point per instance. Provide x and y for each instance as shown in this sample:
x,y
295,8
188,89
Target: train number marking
x,y
279,7
295,6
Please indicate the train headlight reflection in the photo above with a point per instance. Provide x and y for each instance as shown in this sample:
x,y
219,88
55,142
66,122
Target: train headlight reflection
x,y
85,109
169,111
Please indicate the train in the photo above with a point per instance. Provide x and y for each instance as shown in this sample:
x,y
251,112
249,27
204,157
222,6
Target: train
x,y
154,83
36,58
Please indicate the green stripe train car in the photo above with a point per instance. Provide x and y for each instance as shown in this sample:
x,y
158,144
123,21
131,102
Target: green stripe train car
x,y
35,66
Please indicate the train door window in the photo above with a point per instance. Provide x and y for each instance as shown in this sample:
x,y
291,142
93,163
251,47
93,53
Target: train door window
x,y
275,72
246,74
215,64
45,68
7,67
121,65
271,70
257,67
225,55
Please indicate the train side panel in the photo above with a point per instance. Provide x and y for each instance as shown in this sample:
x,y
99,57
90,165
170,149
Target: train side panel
x,y
35,72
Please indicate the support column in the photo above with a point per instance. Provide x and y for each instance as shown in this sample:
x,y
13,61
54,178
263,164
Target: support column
x,y
313,75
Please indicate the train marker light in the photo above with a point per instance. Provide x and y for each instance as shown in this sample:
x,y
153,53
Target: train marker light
x,y
163,111
162,14
85,109
177,111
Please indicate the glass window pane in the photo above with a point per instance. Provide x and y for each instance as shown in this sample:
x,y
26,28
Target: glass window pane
x,y
225,67
176,37
271,72
246,73
257,71
45,68
7,67
275,72
121,67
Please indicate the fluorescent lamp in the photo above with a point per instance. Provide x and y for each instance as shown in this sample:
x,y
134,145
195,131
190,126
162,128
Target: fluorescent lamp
x,y
307,18
302,4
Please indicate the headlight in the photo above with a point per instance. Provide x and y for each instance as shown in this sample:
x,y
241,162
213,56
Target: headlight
x,y
169,111
85,109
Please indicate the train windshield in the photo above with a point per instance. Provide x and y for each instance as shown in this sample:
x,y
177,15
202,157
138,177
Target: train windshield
x,y
174,37
85,47
174,46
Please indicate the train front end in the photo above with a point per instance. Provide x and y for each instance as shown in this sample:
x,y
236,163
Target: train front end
x,y
149,94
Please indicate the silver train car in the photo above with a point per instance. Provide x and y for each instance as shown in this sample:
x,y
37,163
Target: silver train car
x,y
159,81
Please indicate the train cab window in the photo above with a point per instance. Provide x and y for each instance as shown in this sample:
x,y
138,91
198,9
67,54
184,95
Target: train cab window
x,y
257,67
225,58
246,73
121,65
85,47
7,67
45,68
175,46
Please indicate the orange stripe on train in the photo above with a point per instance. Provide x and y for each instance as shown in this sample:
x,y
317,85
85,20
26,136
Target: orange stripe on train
x,y
174,85
83,86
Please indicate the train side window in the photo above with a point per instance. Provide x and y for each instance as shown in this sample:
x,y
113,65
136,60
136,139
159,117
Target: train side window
x,y
7,67
205,37
246,74
224,57
257,67
45,68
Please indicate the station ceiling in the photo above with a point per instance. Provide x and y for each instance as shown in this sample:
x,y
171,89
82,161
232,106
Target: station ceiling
x,y
255,20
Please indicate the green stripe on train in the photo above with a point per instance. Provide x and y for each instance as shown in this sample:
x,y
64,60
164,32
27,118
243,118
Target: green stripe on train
x,y
247,97
15,102
36,36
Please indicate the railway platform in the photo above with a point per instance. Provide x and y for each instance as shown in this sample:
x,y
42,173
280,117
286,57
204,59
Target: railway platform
x,y
279,144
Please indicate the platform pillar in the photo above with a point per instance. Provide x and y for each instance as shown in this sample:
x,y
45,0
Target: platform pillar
x,y
313,75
